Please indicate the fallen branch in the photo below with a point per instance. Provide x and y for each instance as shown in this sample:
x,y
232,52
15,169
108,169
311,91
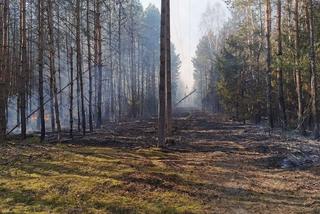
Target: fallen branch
x,y
183,99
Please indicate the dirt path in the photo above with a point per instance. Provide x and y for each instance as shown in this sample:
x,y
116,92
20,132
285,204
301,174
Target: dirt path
x,y
213,166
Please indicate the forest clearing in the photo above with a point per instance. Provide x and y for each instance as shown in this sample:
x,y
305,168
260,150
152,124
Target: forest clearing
x,y
213,166
159,106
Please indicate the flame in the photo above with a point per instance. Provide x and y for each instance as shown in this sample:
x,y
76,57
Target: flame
x,y
34,118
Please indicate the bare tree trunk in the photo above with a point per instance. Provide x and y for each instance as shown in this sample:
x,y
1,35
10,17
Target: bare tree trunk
x,y
78,103
269,71
31,59
133,71
168,73
54,89
153,85
40,68
18,103
23,68
4,65
52,111
162,85
112,103
89,66
119,62
53,123
142,82
98,62
59,62
79,66
281,100
71,93
2,110
312,60
297,70
2,79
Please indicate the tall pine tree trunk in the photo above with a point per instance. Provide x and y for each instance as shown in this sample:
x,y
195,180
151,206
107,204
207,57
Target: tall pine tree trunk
x,y
71,94
40,69
312,60
4,65
89,66
54,89
168,73
119,62
282,106
112,103
2,110
297,69
162,85
98,62
269,70
23,68
2,79
59,62
79,65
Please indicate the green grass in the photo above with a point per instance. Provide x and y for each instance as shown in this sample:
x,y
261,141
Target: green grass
x,y
83,179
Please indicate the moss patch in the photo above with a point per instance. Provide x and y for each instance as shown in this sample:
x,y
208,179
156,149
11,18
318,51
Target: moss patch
x,y
84,179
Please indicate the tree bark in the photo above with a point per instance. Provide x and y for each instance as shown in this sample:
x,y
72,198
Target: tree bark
x,y
79,66
119,62
297,70
40,69
2,110
54,89
59,62
268,61
112,103
133,65
312,61
282,106
98,62
23,68
89,66
4,65
163,68
168,73
71,94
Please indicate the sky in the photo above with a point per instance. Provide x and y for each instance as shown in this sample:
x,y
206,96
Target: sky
x,y
186,17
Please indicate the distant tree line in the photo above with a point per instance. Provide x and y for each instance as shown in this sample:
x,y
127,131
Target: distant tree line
x,y
264,63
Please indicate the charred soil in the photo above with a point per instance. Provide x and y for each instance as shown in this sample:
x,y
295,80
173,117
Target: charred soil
x,y
211,165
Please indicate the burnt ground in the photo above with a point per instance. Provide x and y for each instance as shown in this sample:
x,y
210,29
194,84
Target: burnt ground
x,y
211,165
